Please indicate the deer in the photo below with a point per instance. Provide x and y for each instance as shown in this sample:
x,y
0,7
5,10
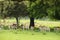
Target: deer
x,y
44,28
56,28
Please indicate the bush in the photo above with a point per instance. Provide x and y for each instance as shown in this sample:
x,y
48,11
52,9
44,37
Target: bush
x,y
52,29
36,29
5,27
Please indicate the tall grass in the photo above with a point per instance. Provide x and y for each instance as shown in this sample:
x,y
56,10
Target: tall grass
x,y
27,21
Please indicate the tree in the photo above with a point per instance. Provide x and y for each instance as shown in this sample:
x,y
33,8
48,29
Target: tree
x,y
54,9
57,9
31,14
31,18
37,10
51,8
2,10
17,10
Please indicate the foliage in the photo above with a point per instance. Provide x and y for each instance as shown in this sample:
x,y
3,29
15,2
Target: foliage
x,y
53,10
17,9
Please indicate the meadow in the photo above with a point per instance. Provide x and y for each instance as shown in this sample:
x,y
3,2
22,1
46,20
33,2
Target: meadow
x,y
27,35
27,21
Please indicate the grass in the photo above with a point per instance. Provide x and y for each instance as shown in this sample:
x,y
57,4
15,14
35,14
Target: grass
x,y
27,35
37,22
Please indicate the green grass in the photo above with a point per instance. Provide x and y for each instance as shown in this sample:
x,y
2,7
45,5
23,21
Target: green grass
x,y
27,35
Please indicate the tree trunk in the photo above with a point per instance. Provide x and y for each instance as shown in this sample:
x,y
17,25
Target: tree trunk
x,y
31,22
17,21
